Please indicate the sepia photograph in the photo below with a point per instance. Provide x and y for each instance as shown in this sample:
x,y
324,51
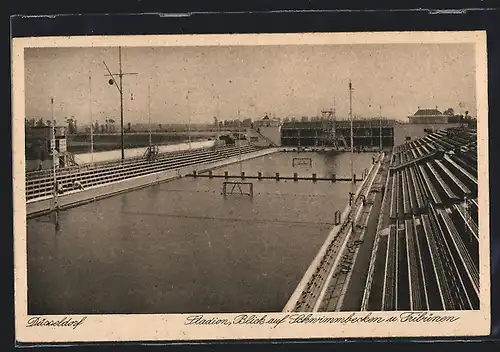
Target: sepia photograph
x,y
263,181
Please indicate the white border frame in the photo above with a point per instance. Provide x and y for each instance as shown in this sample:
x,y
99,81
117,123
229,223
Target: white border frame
x,y
172,327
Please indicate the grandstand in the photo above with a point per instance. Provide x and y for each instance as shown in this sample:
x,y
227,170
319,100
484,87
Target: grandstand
x,y
426,254
40,184
414,240
367,133
412,244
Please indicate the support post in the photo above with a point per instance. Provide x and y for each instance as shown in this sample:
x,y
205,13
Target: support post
x,y
351,128
337,217
121,104
380,117
56,219
91,121
54,157
119,86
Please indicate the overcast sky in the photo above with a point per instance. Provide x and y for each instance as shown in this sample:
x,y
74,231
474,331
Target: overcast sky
x,y
283,80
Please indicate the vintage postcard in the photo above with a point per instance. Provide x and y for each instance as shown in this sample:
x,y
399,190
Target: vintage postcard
x,y
266,186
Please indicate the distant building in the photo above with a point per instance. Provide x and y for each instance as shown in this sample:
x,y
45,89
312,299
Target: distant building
x,y
265,132
429,116
367,133
422,123
39,144
267,122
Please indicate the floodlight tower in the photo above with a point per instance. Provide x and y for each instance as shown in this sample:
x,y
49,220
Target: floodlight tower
x,y
119,86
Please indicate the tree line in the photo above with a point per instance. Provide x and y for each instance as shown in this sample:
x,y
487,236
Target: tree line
x,y
71,123
109,125
470,121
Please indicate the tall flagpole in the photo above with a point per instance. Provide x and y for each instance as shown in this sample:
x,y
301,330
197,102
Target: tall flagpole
x,y
218,116
189,120
352,137
334,107
149,97
54,160
53,147
149,113
380,117
91,121
121,103
333,126
352,155
119,86
239,140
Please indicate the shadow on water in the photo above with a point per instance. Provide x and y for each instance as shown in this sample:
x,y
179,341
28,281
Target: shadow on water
x,y
182,247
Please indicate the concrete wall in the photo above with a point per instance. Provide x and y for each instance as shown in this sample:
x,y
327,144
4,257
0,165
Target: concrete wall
x,y
135,152
415,131
75,198
272,134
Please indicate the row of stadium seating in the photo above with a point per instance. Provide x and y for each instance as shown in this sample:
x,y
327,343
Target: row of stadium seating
x,y
427,263
459,146
72,168
414,187
43,185
427,256
406,153
420,177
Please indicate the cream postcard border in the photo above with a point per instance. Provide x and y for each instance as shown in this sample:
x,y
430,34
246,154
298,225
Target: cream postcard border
x,y
172,327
